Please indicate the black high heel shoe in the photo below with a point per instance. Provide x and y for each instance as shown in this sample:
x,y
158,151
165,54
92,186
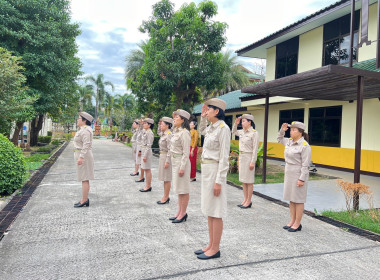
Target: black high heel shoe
x,y
172,218
86,204
132,174
140,181
286,227
146,190
245,207
176,221
167,201
295,229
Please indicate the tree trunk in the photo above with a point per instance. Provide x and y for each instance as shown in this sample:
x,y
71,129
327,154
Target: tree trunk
x,y
36,126
18,127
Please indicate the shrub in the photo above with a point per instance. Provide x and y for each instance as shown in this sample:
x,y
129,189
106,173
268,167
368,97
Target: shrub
x,y
44,139
55,142
50,133
12,167
45,149
67,136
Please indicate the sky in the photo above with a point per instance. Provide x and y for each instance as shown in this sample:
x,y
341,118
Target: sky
x,y
110,28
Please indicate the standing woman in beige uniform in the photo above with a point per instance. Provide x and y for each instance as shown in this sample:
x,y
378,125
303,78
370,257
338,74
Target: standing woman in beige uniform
x,y
164,166
297,160
180,150
83,156
140,133
248,146
146,153
215,153
135,126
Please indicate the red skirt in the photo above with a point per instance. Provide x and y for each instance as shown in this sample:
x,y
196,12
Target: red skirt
x,y
193,161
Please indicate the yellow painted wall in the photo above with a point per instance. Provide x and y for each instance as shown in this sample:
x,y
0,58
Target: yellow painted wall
x,y
271,64
337,157
310,50
368,52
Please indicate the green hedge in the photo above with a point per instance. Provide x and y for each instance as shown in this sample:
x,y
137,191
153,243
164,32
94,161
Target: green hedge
x,y
155,142
50,133
44,139
13,170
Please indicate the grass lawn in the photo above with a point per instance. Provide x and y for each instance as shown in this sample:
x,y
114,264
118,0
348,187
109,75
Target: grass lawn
x,y
271,178
128,144
35,161
365,219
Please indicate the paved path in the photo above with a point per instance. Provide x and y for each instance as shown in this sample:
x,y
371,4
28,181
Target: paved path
x,y
124,234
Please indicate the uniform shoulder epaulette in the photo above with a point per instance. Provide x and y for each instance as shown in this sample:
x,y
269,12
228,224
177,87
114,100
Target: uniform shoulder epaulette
x,y
169,132
253,129
222,125
290,138
305,143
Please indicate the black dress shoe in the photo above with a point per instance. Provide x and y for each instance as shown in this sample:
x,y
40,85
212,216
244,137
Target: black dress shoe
x,y
295,229
132,174
167,201
204,257
172,218
84,204
176,221
193,180
199,252
245,207
239,205
146,190
139,181
286,227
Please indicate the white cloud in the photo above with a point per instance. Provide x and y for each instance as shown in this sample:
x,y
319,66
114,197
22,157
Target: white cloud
x,y
117,70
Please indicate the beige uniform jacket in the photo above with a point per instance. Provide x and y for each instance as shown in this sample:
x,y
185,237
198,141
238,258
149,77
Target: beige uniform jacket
x,y
146,142
83,140
296,153
134,136
180,145
140,132
216,146
248,141
164,143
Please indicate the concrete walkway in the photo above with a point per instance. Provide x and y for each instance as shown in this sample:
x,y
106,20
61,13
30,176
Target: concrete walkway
x,y
124,234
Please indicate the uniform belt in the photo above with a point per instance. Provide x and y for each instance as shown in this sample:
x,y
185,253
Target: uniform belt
x,y
163,153
76,150
175,155
241,152
205,161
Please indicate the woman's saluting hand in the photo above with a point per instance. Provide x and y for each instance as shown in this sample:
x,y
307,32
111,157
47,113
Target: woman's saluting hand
x,y
284,126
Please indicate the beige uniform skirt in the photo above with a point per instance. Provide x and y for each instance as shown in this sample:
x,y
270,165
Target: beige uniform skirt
x,y
211,205
291,191
138,158
181,185
246,175
133,152
85,171
148,163
164,174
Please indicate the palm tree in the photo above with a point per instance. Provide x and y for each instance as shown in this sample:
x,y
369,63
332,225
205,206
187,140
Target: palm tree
x,y
85,96
108,105
124,104
234,78
100,85
134,61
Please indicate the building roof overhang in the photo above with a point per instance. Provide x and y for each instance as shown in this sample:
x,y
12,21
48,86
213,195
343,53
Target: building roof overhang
x,y
331,82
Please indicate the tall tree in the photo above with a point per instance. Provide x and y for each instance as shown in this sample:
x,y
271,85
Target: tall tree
x,y
182,54
124,110
100,92
41,32
15,103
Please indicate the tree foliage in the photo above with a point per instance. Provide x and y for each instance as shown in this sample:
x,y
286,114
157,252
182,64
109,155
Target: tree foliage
x,y
41,33
15,104
182,56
